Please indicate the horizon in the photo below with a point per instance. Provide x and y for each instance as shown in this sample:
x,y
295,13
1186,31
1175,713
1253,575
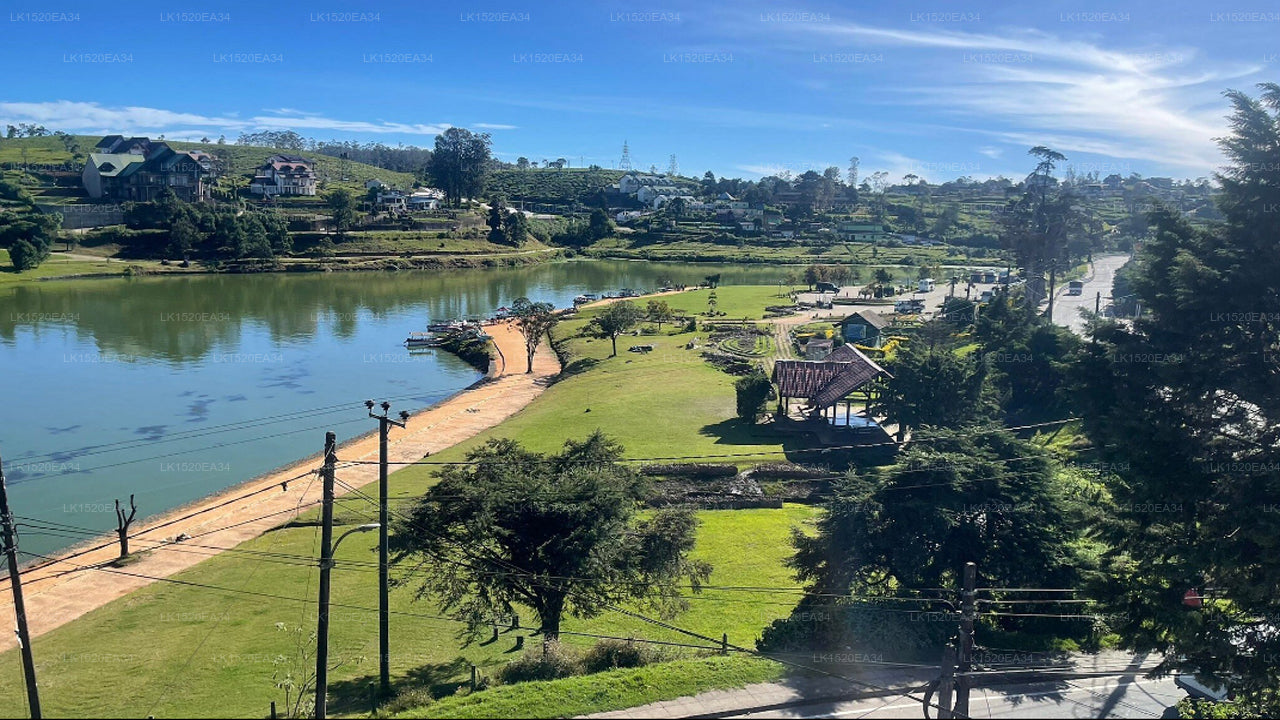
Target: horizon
x,y
1117,91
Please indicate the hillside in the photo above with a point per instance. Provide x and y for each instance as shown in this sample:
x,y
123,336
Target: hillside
x,y
50,151
546,185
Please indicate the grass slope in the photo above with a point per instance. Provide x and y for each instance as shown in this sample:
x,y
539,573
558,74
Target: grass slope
x,y
614,690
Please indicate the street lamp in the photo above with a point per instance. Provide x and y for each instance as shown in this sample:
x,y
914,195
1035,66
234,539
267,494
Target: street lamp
x,y
357,529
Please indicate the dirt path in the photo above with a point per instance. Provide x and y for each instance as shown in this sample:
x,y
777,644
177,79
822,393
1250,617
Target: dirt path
x,y
62,590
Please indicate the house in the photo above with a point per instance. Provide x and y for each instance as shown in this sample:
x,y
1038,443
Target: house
x,y
137,169
649,193
424,200
859,232
284,175
374,184
863,327
628,215
391,200
631,183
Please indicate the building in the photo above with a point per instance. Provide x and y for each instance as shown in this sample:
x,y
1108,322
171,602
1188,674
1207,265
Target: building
x,y
864,327
284,175
859,232
425,200
137,169
818,348
825,384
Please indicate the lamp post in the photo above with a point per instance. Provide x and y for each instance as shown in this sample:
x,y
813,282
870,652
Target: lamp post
x,y
322,625
384,593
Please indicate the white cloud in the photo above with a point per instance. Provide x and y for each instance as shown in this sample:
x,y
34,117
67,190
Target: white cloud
x,y
991,152
494,126
92,117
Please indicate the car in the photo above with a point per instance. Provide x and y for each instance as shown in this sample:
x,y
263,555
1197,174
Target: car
x,y
1200,690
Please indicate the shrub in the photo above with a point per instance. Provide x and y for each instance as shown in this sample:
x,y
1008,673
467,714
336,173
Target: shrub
x,y
615,654
752,393
550,662
26,256
691,470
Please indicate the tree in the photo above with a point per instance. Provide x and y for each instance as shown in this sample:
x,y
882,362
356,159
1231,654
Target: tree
x,y
599,226
534,319
752,393
26,256
556,533
1185,403
516,227
183,238
123,521
933,386
342,210
497,220
613,320
522,163
712,280
658,311
1037,225
981,496
460,163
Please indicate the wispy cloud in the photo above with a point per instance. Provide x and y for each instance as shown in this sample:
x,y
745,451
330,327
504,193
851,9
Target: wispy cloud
x,y
494,126
95,118
1096,95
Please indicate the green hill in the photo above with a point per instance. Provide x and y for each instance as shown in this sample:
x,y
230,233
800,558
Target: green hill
x,y
547,185
242,158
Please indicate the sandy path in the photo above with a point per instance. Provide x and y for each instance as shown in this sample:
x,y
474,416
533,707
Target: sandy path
x,y
61,591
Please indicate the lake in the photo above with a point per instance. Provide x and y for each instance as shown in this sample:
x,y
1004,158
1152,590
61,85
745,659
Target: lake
x,y
175,388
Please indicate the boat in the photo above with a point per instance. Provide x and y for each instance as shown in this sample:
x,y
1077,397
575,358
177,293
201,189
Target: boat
x,y
584,299
422,339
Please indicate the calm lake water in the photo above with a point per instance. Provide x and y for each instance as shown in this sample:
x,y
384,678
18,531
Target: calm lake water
x,y
176,388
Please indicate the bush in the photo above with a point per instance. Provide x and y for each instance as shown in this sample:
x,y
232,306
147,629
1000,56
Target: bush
x,y
691,470
550,662
615,654
752,391
26,256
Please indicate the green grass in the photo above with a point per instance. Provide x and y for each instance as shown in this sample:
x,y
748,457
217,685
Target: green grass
x,y
613,690
186,651
60,266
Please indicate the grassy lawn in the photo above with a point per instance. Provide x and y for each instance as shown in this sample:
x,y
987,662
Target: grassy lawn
x,y
184,651
612,690
60,266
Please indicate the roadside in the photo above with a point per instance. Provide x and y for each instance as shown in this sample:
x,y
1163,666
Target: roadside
x,y
58,592
882,691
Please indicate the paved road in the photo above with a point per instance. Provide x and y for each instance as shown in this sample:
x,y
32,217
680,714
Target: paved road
x,y
1122,697
1066,308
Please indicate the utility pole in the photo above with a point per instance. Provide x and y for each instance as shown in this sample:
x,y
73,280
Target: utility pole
x,y
1097,303
968,614
384,585
326,564
10,541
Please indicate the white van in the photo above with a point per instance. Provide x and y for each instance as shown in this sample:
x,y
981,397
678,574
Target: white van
x,y
926,285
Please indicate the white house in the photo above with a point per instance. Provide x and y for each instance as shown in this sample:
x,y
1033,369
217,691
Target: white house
x,y
284,175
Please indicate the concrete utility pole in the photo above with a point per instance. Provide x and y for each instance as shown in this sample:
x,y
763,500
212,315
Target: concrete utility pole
x,y
384,585
8,538
968,614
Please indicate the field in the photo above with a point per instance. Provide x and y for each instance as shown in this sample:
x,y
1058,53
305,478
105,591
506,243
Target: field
x,y
206,647
754,250
59,265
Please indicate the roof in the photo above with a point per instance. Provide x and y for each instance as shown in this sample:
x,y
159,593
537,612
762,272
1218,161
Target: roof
x,y
874,319
114,164
825,382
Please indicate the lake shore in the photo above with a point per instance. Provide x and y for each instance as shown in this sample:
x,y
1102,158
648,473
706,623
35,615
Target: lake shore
x,y
81,580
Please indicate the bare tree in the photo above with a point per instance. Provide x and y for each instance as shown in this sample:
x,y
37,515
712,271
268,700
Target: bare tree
x,y
123,521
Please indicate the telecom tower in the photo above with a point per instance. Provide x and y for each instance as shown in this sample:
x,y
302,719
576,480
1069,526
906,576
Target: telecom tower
x,y
625,163
674,168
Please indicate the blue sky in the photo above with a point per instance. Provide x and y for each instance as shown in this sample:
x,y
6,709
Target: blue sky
x,y
741,89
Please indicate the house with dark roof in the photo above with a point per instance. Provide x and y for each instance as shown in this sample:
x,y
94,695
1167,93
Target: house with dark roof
x,y
137,169
284,175
863,327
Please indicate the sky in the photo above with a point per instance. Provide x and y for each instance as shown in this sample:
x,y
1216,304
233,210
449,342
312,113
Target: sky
x,y
742,89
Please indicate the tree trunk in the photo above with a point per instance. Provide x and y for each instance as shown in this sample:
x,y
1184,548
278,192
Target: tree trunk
x,y
530,359
614,338
1052,279
552,612
124,543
